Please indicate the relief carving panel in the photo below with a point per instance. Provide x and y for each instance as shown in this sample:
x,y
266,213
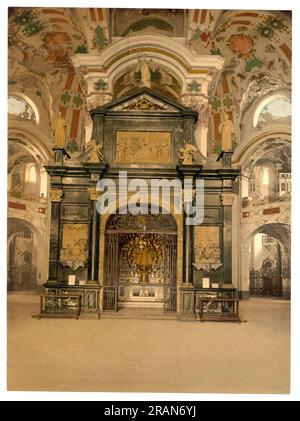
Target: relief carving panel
x,y
74,252
143,147
207,248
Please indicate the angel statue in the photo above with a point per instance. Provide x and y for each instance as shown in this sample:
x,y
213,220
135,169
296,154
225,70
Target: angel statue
x,y
92,152
186,154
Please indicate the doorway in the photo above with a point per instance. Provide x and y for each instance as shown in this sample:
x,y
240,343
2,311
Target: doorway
x,y
140,262
22,256
269,274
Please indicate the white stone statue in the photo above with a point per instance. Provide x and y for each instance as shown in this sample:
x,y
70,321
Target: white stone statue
x,y
226,128
186,154
58,127
145,74
92,152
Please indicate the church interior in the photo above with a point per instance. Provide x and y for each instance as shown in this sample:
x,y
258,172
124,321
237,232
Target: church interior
x,y
164,94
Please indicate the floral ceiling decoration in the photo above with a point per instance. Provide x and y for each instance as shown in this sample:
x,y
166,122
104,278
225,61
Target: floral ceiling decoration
x,y
42,41
41,44
255,45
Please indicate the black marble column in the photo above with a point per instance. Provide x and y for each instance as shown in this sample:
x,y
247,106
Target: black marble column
x,y
94,238
95,173
98,128
188,172
55,235
227,201
187,291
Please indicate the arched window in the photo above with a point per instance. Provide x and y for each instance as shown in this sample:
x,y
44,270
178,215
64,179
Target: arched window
x,y
30,175
20,108
266,177
274,108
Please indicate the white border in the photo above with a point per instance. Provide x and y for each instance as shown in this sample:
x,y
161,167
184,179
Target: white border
x,y
189,4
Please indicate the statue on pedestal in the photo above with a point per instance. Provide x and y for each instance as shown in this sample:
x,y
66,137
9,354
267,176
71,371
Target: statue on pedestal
x,y
58,127
145,74
186,154
226,129
92,152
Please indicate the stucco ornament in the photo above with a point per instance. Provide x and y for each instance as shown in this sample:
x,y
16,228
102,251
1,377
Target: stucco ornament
x,y
92,152
56,195
241,44
187,153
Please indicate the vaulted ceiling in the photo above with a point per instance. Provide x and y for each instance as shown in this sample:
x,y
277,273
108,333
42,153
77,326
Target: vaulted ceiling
x,y
256,46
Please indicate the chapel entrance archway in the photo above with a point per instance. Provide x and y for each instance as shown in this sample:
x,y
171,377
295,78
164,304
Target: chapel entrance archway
x,y
269,271
140,262
23,262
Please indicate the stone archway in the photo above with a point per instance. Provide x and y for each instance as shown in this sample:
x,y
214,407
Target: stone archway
x,y
140,262
23,263
272,277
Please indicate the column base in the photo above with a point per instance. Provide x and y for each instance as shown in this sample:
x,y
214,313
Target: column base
x,y
286,294
225,158
244,295
187,299
59,154
186,317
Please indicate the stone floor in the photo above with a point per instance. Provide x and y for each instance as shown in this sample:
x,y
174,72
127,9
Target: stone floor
x,y
136,355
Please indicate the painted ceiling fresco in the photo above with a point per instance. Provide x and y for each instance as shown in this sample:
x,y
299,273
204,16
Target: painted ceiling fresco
x,y
255,44
41,44
169,22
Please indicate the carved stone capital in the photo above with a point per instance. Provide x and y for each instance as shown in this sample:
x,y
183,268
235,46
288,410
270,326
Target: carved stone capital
x,y
227,199
93,193
56,195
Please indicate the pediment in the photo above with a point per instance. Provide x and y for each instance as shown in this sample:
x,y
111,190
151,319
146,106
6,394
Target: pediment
x,y
144,102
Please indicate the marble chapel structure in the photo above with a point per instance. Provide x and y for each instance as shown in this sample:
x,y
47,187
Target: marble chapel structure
x,y
156,107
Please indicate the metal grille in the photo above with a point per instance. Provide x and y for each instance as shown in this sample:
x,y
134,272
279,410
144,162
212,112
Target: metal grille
x,y
109,298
